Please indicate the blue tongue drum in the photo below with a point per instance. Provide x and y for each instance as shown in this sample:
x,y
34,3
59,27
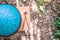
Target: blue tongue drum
x,y
10,19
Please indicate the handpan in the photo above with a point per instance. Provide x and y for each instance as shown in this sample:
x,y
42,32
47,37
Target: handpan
x,y
10,19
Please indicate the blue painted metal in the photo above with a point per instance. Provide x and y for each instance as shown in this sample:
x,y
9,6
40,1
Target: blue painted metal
x,y
10,19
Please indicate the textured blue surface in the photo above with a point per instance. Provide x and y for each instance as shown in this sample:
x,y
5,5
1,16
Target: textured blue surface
x,y
10,19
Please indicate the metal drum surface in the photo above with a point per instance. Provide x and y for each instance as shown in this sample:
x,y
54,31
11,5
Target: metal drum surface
x,y
10,19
